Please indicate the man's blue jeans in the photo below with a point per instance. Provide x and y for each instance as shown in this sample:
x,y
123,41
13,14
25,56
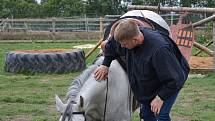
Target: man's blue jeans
x,y
148,115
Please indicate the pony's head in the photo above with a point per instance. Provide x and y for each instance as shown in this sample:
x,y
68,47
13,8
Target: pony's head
x,y
71,111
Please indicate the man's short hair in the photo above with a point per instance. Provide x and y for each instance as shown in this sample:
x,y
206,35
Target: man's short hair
x,y
126,30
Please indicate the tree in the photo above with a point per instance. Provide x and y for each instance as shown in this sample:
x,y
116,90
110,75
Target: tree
x,y
156,2
197,3
103,7
67,8
18,8
4,12
62,8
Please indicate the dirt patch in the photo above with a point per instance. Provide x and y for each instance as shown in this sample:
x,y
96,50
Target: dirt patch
x,y
20,118
45,80
201,62
85,46
52,108
42,51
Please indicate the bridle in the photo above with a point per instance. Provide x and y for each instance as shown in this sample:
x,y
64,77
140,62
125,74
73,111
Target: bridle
x,y
69,115
80,113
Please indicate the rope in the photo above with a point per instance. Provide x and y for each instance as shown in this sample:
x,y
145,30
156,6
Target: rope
x,y
105,102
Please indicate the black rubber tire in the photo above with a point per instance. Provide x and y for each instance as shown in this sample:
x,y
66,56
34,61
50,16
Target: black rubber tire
x,y
59,62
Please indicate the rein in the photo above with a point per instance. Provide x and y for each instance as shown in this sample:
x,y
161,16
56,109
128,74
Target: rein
x,y
105,108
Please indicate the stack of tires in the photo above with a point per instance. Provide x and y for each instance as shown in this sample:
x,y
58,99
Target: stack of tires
x,y
45,62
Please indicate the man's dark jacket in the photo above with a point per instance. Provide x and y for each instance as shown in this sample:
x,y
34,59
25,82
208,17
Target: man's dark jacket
x,y
155,67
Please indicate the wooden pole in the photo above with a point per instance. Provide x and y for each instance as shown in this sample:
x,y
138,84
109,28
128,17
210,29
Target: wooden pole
x,y
204,21
92,50
174,9
203,48
208,44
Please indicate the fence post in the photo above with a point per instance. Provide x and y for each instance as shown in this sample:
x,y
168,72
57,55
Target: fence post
x,y
53,28
101,26
172,17
214,42
27,29
86,25
53,25
86,22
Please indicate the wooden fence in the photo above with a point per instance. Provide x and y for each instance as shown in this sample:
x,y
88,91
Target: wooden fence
x,y
51,28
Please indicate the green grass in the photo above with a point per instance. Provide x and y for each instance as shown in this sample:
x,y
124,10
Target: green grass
x,y
31,97
197,100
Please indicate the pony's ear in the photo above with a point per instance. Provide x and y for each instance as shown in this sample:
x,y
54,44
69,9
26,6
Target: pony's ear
x,y
81,101
59,104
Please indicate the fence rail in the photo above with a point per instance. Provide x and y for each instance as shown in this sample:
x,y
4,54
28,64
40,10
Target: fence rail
x,y
55,24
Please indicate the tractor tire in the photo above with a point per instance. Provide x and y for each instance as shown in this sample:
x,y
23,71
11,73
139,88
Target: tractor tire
x,y
45,62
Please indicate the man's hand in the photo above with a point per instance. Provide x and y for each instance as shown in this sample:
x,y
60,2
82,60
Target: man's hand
x,y
156,105
101,73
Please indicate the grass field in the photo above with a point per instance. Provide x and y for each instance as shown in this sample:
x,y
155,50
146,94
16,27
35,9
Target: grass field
x,y
31,97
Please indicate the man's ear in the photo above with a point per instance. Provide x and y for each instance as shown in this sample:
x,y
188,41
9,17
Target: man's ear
x,y
136,41
81,101
139,39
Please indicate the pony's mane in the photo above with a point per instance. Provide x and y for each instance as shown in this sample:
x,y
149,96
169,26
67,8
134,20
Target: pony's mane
x,y
79,81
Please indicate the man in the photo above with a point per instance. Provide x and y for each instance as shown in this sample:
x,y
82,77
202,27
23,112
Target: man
x,y
155,67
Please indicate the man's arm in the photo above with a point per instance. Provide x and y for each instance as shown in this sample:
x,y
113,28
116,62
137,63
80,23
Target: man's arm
x,y
112,51
170,74
168,70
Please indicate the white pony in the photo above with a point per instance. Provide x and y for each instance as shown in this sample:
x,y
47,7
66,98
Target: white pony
x,y
90,100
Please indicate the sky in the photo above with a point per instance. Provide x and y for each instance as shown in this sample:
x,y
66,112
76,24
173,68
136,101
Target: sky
x,y
38,1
